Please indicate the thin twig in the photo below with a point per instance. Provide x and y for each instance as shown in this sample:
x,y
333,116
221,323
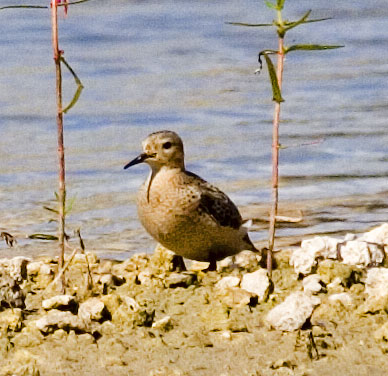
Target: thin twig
x,y
68,262
62,271
42,6
8,238
81,242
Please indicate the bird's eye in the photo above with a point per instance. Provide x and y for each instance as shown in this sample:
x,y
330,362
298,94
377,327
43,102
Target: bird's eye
x,y
167,145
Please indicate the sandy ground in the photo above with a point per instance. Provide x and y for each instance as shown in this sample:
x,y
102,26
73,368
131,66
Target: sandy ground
x,y
206,333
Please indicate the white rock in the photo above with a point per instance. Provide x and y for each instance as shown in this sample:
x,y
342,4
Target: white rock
x,y
227,262
342,297
311,284
46,269
106,279
257,283
229,281
356,252
246,259
304,258
293,312
376,283
59,320
145,277
377,235
16,267
303,261
323,246
39,267
237,297
165,323
33,268
63,301
81,258
226,334
335,283
91,309
197,266
350,236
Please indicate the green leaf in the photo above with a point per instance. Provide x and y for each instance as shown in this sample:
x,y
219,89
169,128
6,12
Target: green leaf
x,y
318,20
51,209
280,4
247,24
291,25
276,92
70,205
79,86
24,6
43,237
271,5
309,47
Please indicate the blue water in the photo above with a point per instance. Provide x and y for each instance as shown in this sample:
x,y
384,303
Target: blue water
x,y
150,65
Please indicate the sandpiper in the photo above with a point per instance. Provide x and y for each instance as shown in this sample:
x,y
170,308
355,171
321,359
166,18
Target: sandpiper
x,y
182,211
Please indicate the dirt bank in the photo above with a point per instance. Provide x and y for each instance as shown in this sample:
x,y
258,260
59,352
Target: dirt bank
x,y
142,318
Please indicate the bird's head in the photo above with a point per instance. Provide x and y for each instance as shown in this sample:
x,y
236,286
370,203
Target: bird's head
x,y
161,149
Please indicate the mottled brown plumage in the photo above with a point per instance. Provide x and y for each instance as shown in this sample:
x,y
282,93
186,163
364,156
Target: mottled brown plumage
x,y
182,211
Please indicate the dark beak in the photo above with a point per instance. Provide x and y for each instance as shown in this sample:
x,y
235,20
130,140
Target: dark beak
x,y
139,159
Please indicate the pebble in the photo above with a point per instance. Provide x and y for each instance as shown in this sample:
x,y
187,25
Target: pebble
x,y
343,297
376,283
312,284
185,279
377,235
59,319
164,324
92,309
356,252
237,297
257,283
304,258
226,282
293,312
62,302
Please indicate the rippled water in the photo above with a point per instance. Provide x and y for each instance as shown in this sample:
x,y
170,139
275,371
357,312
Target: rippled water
x,y
150,65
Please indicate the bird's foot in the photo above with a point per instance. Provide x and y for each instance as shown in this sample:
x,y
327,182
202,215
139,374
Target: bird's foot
x,y
178,265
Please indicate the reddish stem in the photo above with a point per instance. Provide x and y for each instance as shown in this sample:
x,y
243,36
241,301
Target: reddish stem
x,y
275,160
61,151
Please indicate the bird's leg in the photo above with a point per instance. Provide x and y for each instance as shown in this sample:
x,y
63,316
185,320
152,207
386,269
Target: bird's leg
x,y
178,264
213,265
263,261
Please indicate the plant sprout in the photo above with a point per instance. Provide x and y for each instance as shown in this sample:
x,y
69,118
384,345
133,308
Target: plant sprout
x,y
282,26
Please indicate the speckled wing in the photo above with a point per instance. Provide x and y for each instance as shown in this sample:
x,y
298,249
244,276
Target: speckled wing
x,y
217,204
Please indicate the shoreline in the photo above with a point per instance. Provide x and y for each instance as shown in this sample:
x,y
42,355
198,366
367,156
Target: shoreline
x,y
334,217
321,316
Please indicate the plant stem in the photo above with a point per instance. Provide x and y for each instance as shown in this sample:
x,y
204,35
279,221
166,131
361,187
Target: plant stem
x,y
61,151
275,159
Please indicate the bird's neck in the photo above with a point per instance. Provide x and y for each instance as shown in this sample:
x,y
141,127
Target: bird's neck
x,y
163,170
166,169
